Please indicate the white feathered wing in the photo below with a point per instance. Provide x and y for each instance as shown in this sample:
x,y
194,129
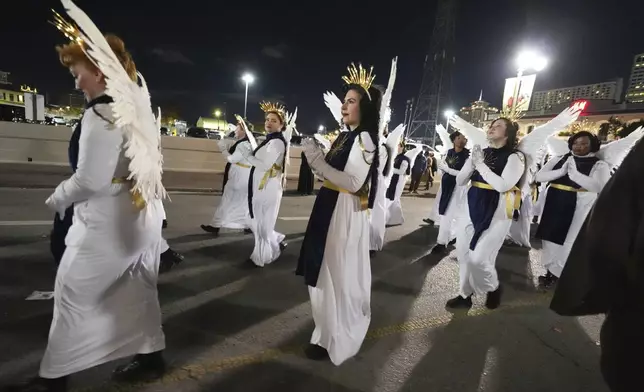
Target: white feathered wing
x,y
335,107
445,140
531,143
131,108
385,111
474,135
614,153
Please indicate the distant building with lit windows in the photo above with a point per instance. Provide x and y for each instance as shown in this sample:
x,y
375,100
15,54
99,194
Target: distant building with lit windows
x,y
607,90
478,112
635,92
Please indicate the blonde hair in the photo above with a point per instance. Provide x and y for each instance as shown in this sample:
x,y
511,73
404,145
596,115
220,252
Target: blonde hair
x,y
73,53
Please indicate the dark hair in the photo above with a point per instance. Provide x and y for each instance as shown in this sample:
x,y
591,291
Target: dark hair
x,y
454,135
511,131
594,140
369,121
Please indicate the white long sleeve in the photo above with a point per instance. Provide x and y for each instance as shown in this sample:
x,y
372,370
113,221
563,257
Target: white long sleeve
x,y
512,173
402,170
465,173
274,150
100,146
240,153
546,174
599,176
448,170
351,180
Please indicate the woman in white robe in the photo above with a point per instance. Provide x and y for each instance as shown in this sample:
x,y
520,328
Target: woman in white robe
x,y
232,212
265,187
105,295
451,196
402,170
334,258
378,216
494,174
574,181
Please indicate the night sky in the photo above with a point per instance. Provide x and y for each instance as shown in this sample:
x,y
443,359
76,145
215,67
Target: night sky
x,y
193,53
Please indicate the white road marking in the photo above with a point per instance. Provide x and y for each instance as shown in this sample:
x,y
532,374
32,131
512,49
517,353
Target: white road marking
x,y
27,223
294,218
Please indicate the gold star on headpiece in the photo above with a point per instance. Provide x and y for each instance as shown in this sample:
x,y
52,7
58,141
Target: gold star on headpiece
x,y
270,107
68,29
358,75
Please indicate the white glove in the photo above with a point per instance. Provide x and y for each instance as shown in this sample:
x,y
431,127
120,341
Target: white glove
x,y
313,154
478,158
54,205
441,165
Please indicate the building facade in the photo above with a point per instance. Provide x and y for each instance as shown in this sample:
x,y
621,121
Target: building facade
x,y
635,92
478,112
544,100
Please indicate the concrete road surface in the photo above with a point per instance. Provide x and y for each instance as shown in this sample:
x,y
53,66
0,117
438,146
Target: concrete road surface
x,y
233,329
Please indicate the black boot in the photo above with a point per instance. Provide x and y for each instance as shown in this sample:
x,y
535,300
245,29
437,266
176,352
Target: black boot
x,y
39,385
548,280
144,367
459,302
316,353
372,253
428,221
165,224
283,246
248,231
169,259
210,229
439,249
493,299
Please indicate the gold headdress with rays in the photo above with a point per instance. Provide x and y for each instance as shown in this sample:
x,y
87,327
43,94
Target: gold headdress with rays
x,y
268,107
514,112
583,125
359,75
68,29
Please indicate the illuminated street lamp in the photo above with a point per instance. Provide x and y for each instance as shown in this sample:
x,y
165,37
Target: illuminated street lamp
x,y
321,128
248,79
217,113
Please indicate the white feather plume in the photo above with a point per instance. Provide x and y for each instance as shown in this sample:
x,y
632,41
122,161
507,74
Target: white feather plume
x,y
288,135
473,134
445,140
614,153
385,111
335,106
131,108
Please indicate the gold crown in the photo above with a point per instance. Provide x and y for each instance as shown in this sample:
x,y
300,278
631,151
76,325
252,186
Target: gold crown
x,y
583,125
358,75
68,29
268,107
514,112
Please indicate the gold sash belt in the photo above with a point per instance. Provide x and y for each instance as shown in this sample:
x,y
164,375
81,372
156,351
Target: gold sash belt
x,y
273,172
137,198
510,205
242,165
362,194
567,188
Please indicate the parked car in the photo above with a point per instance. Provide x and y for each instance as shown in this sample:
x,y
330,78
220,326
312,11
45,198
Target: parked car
x,y
197,132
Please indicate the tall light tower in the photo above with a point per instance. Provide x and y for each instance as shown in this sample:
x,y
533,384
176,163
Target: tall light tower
x,y
436,84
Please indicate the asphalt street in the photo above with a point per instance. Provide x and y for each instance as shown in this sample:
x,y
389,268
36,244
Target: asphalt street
x,y
233,329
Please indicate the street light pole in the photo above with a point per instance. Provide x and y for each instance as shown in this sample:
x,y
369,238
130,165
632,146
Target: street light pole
x,y
248,79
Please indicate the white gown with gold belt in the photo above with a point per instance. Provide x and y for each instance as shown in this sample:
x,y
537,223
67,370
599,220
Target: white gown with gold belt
x,y
232,212
267,197
105,295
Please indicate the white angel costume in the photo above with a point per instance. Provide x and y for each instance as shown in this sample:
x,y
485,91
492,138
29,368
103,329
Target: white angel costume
x,y
334,258
573,185
378,216
105,295
450,199
493,201
265,188
402,169
233,212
